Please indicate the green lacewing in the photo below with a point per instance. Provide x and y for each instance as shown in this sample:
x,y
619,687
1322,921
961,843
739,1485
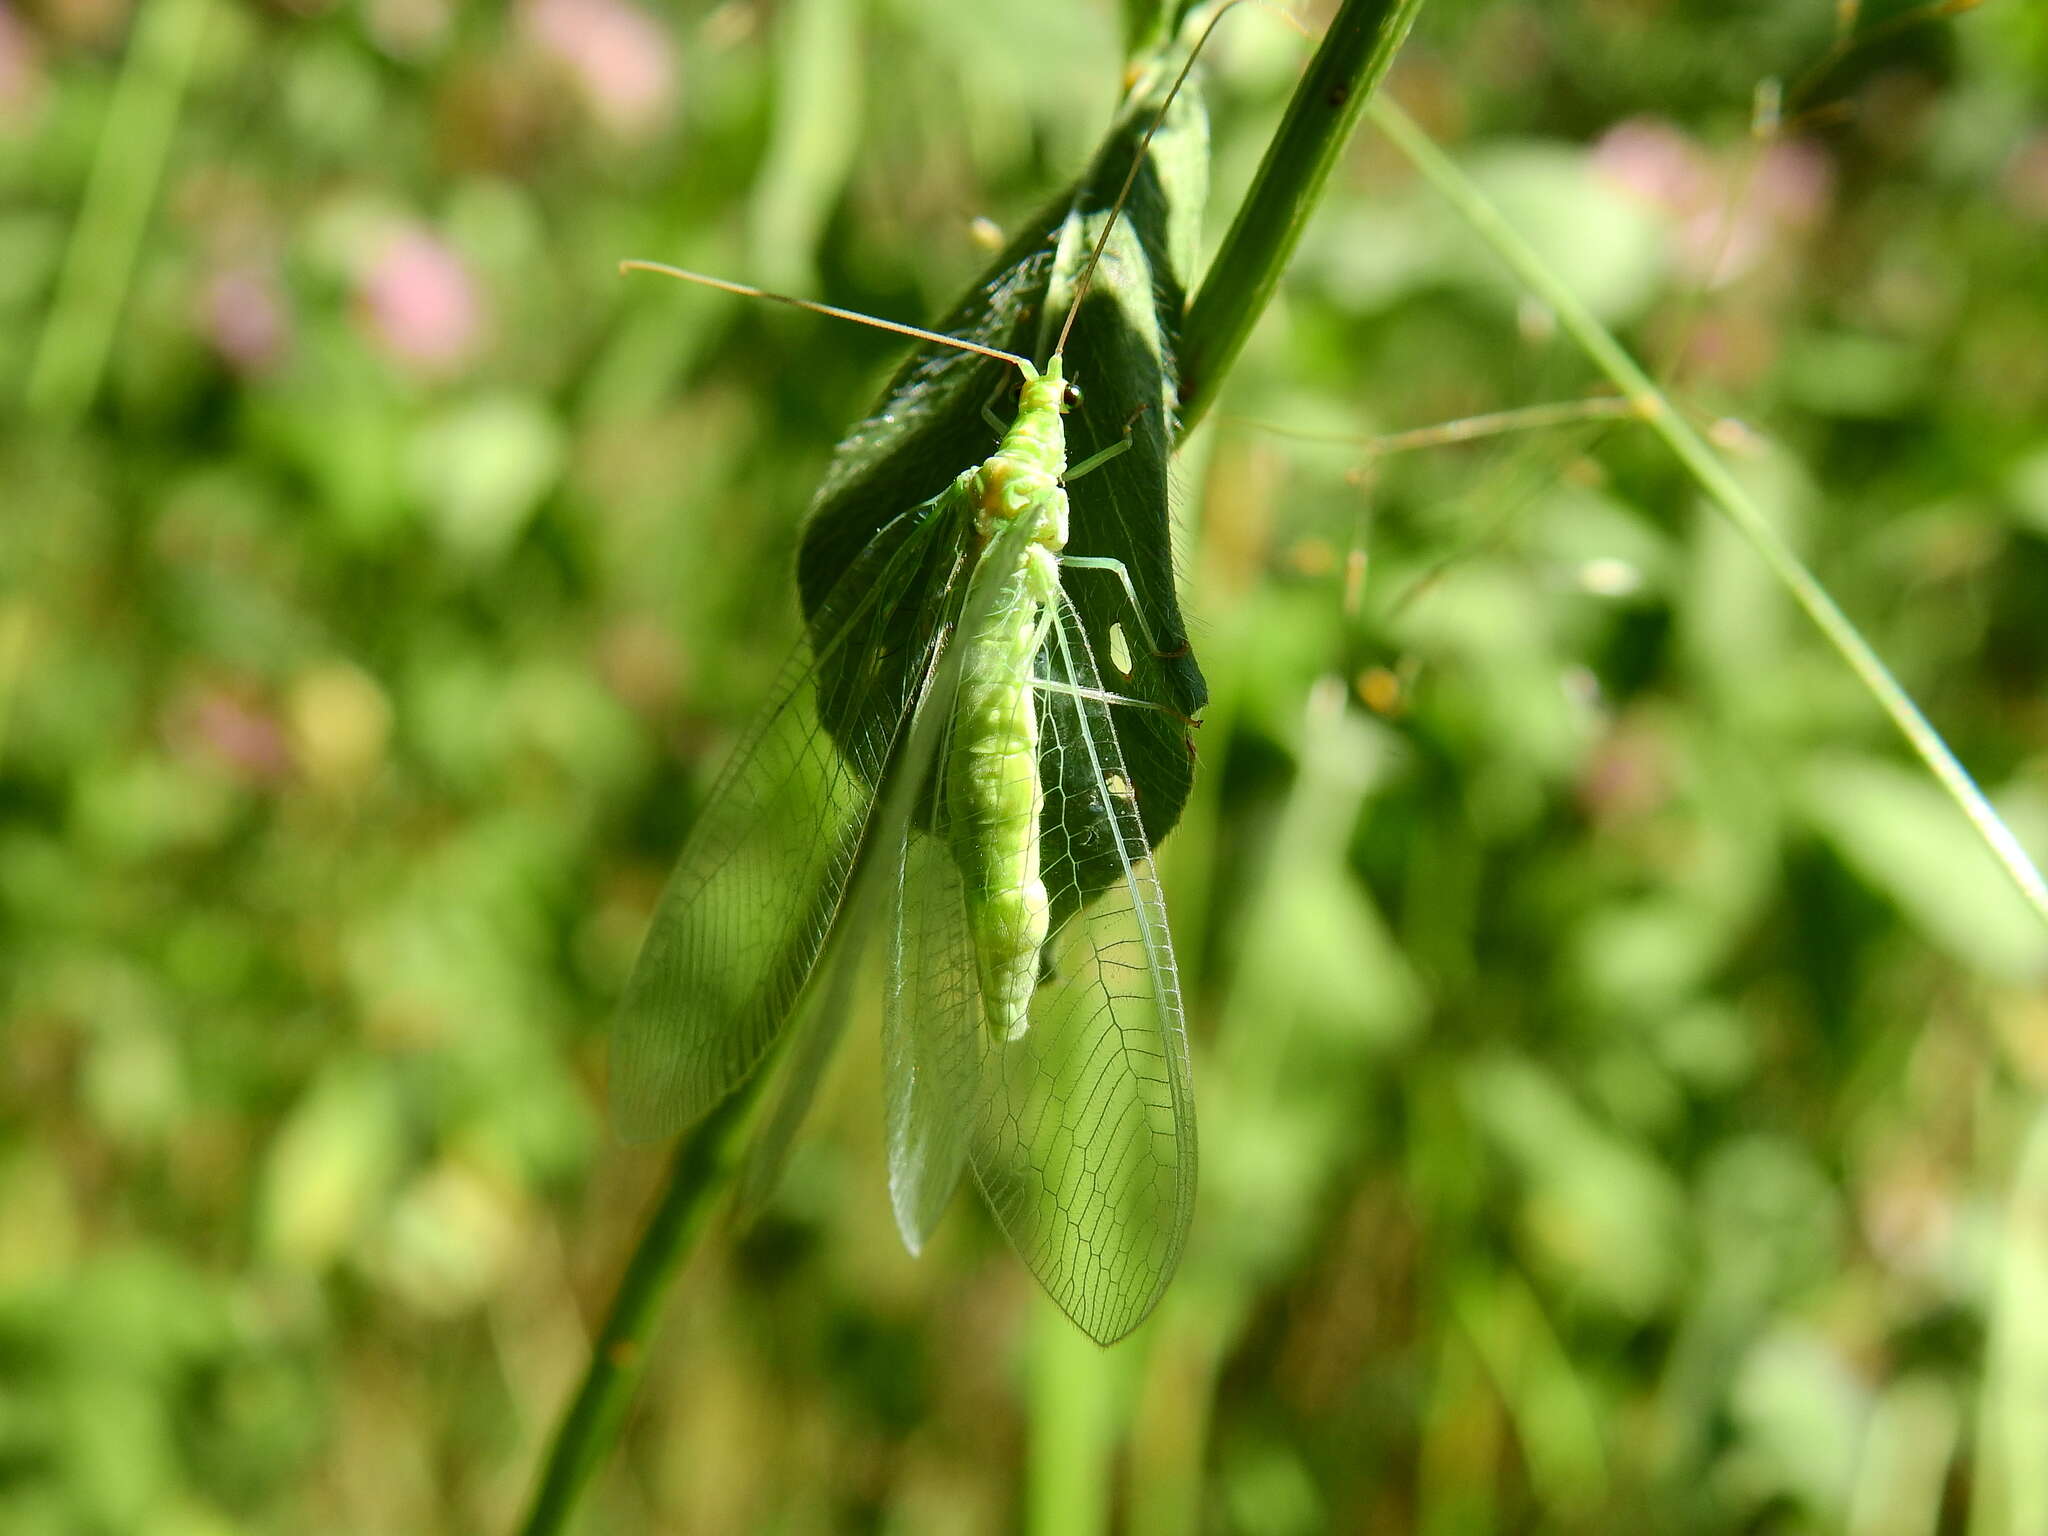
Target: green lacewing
x,y
945,756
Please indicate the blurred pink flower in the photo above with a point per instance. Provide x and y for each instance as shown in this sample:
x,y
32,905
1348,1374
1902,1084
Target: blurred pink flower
x,y
1725,220
1627,778
245,317
1794,183
409,29
622,60
1659,164
21,69
221,723
2026,178
420,302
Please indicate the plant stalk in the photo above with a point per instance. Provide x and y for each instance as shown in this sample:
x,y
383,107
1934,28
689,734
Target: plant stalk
x,y
1350,63
1723,488
99,262
703,1167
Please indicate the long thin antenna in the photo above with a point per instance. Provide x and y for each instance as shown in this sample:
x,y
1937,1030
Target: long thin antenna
x,y
1144,147
748,292
1557,413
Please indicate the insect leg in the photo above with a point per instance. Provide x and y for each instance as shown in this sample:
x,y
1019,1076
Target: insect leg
x,y
1123,576
1096,460
1104,696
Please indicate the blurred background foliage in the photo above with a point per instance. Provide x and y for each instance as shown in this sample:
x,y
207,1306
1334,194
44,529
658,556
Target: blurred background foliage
x,y
1620,1075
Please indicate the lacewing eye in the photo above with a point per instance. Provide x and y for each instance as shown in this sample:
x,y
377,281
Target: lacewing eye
x,y
1071,400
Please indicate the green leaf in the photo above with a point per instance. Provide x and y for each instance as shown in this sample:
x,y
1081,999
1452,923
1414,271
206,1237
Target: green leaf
x,y
929,426
1902,835
1853,374
1599,1208
482,469
1144,21
328,1170
817,112
2027,486
2013,1405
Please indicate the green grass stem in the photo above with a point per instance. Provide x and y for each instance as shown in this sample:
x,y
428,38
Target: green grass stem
x,y
99,262
2011,1491
1076,1419
1713,477
1349,64
703,1168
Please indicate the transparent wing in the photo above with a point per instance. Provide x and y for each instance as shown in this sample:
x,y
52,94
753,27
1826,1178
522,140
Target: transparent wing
x,y
871,894
821,1019
931,1022
931,1014
1081,1132
1085,1140
762,879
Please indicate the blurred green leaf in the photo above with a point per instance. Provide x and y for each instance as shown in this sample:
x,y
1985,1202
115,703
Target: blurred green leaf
x,y
1556,1410
1846,373
38,1222
1606,247
1599,1211
1907,1458
481,469
2028,485
1802,1416
329,1170
450,1238
2011,1410
1903,836
811,147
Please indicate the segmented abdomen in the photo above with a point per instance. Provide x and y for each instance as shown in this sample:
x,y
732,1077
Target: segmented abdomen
x,y
992,790
994,796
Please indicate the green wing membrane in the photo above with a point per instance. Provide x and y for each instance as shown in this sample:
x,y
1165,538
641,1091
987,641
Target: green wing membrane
x,y
932,1035
760,884
1080,1132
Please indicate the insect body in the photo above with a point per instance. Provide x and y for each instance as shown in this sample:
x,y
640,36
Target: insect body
x,y
942,758
1032,1023
991,774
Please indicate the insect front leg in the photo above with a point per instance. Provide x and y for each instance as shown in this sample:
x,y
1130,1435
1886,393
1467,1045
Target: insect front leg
x,y
1099,695
1096,460
1104,696
1123,575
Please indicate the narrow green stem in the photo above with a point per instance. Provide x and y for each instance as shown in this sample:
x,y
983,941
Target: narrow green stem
x,y
1612,359
1349,65
1147,25
703,1167
17,637
99,262
1073,1402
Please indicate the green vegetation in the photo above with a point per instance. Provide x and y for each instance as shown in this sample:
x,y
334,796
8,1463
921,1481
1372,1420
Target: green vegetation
x,y
1620,1067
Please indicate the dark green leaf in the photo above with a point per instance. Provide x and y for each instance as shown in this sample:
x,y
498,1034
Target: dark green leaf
x,y
930,425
